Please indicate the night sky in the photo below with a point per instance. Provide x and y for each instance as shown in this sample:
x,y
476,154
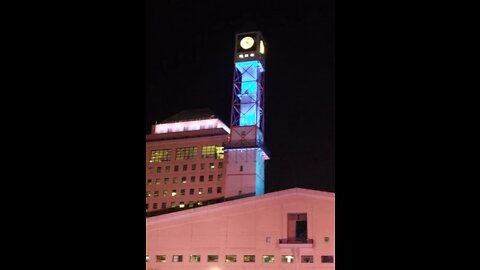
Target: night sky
x,y
189,57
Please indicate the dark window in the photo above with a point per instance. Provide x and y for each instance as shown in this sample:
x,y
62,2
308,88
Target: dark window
x,y
327,259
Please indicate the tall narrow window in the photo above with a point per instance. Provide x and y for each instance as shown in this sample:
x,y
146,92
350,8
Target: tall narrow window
x,y
297,228
241,168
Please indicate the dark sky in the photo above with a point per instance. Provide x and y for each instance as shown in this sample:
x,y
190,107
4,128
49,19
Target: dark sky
x,y
190,47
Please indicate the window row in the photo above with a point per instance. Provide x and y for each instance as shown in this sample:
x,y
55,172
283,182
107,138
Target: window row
x,y
183,180
246,258
174,193
183,153
173,205
193,167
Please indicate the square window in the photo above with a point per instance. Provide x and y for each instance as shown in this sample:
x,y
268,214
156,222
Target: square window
x,y
212,258
159,169
287,259
181,205
268,258
195,258
182,191
149,193
149,181
210,177
327,259
202,178
212,166
219,189
155,205
230,258
157,181
249,258
165,193
161,258
307,259
172,204
194,167
177,258
155,194
165,181
167,169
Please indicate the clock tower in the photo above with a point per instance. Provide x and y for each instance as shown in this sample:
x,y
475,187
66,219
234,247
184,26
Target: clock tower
x,y
245,149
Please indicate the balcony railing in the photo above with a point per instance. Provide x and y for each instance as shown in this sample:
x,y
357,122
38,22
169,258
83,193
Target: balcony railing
x,y
295,241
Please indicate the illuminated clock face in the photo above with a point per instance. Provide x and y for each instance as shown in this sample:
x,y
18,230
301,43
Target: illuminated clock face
x,y
246,43
262,47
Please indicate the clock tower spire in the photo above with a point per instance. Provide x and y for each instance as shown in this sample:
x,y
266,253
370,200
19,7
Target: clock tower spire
x,y
245,149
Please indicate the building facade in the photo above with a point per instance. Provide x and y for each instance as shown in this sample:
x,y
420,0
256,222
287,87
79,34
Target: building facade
x,y
185,161
289,229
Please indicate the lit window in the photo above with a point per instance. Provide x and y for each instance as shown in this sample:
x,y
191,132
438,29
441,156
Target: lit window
x,y
210,190
148,258
155,194
182,191
157,181
194,167
186,153
307,259
177,258
249,258
165,193
200,191
160,155
161,258
268,258
192,191
220,165
185,167
159,169
192,179
220,177
219,153
212,166
212,258
287,259
208,151
195,258
230,258
241,56
210,177
245,55
327,259
184,180
200,203
202,178
181,205
155,205
172,204
174,193
219,189
149,193
251,54
149,181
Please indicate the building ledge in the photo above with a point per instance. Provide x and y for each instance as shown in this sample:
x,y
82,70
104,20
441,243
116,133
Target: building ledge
x,y
287,243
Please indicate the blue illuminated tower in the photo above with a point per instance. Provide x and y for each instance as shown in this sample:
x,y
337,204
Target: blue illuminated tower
x,y
245,151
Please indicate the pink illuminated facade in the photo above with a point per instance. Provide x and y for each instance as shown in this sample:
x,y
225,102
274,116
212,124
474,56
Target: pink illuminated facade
x,y
185,161
289,229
